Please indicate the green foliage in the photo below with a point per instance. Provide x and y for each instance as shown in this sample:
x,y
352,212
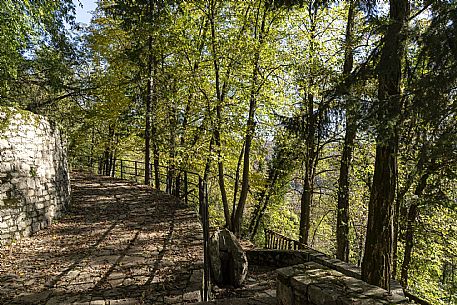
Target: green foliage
x,y
96,85
30,32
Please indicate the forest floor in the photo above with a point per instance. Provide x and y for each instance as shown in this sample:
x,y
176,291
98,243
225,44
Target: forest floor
x,y
118,243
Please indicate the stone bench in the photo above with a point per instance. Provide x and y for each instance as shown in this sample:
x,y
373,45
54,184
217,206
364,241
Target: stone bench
x,y
312,283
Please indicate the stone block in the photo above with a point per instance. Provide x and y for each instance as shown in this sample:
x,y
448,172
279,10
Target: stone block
x,y
4,143
285,294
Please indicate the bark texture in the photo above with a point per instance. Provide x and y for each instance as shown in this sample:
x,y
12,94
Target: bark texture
x,y
342,221
377,260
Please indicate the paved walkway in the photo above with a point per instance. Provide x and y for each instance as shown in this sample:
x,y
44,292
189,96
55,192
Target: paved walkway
x,y
119,243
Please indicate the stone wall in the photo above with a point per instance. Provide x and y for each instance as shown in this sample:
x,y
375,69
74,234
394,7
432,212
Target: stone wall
x,y
314,284
34,179
283,258
298,284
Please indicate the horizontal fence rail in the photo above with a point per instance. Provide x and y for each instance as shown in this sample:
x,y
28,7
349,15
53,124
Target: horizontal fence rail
x,y
185,185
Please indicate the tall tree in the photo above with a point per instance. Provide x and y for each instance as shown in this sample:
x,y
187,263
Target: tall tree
x,y
377,259
260,31
342,223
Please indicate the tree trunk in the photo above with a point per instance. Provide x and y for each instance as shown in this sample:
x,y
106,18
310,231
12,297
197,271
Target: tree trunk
x,y
342,222
154,133
399,209
409,236
377,259
237,182
190,98
217,127
308,179
398,205
264,207
250,125
256,213
208,160
108,151
147,136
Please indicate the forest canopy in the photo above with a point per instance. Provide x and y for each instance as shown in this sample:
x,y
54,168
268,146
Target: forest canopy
x,y
331,122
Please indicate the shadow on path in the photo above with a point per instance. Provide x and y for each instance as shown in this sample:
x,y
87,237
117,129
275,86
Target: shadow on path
x,y
119,243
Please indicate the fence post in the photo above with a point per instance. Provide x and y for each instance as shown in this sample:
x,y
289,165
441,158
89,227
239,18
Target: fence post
x,y
114,168
203,202
136,171
122,170
186,197
178,184
266,238
170,173
100,166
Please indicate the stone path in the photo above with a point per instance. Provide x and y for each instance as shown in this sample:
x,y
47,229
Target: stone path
x,y
258,289
119,243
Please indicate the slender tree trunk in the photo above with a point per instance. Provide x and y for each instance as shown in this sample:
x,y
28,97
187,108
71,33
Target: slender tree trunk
x,y
423,156
208,160
305,205
264,206
147,136
217,125
190,98
377,260
308,179
311,120
237,182
154,133
250,125
172,147
108,151
409,236
256,213
398,204
92,145
342,222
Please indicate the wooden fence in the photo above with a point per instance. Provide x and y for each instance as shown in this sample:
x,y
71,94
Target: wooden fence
x,y
274,240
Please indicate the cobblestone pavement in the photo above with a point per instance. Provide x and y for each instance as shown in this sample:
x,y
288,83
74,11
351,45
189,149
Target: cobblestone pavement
x,y
258,289
119,243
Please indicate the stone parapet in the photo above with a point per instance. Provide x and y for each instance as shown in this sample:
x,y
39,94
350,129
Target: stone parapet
x,y
34,179
276,258
315,284
283,258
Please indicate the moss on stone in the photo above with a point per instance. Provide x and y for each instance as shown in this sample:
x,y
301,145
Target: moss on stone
x,y
9,112
5,115
11,202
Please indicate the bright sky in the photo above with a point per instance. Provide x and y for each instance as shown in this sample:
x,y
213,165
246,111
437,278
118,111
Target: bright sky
x,y
84,13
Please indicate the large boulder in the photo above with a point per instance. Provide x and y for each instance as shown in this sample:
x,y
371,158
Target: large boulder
x,y
229,264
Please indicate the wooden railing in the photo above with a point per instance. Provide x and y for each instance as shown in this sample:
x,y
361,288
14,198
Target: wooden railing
x,y
186,185
178,182
274,240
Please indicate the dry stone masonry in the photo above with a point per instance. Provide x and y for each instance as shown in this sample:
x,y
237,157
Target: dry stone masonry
x,y
34,179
